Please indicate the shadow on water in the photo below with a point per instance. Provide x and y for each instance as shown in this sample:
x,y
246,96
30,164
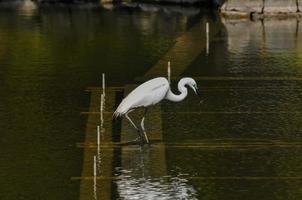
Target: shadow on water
x,y
244,141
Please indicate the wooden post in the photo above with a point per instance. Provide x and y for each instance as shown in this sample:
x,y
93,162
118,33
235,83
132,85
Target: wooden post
x,y
169,72
94,178
98,136
103,83
94,166
102,109
208,38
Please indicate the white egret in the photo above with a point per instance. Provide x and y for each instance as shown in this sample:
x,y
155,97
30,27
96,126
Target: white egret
x,y
151,93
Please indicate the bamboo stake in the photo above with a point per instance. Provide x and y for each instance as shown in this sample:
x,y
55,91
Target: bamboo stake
x,y
94,178
208,38
98,136
103,83
94,166
169,72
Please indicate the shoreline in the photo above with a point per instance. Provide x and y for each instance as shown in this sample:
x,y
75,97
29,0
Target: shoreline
x,y
196,3
259,16
232,9
260,9
185,3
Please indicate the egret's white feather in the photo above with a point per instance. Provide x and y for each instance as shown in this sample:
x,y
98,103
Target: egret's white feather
x,y
147,94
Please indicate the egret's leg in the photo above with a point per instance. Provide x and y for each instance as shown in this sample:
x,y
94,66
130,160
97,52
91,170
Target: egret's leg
x,y
143,126
133,124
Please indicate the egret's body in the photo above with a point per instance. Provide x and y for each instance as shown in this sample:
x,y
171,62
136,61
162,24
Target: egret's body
x,y
151,93
145,95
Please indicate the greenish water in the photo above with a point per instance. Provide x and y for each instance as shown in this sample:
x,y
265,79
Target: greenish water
x,y
244,141
48,57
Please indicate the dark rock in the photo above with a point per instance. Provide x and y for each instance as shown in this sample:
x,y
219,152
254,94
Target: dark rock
x,y
218,2
64,1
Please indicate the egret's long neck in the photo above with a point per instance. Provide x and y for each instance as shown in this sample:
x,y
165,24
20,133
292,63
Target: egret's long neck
x,y
183,92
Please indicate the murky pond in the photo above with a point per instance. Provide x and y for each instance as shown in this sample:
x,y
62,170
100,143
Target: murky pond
x,y
244,141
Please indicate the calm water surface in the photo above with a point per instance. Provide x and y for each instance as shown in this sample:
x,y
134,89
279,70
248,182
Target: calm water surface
x,y
244,141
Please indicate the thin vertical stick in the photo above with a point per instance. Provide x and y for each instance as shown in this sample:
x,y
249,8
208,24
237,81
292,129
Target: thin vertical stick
x,y
103,83
208,38
102,106
98,136
102,109
98,160
94,177
169,72
94,166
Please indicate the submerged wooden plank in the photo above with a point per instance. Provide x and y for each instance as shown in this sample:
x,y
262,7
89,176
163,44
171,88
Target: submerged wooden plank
x,y
186,49
150,161
212,112
246,78
274,178
207,145
92,89
100,189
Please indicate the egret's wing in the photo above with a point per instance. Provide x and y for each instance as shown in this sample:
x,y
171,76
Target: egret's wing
x,y
126,105
157,94
149,93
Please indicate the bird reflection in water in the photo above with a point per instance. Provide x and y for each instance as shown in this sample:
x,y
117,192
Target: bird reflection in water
x,y
139,181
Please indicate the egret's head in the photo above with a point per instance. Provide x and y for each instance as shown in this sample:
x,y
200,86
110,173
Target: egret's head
x,y
192,84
